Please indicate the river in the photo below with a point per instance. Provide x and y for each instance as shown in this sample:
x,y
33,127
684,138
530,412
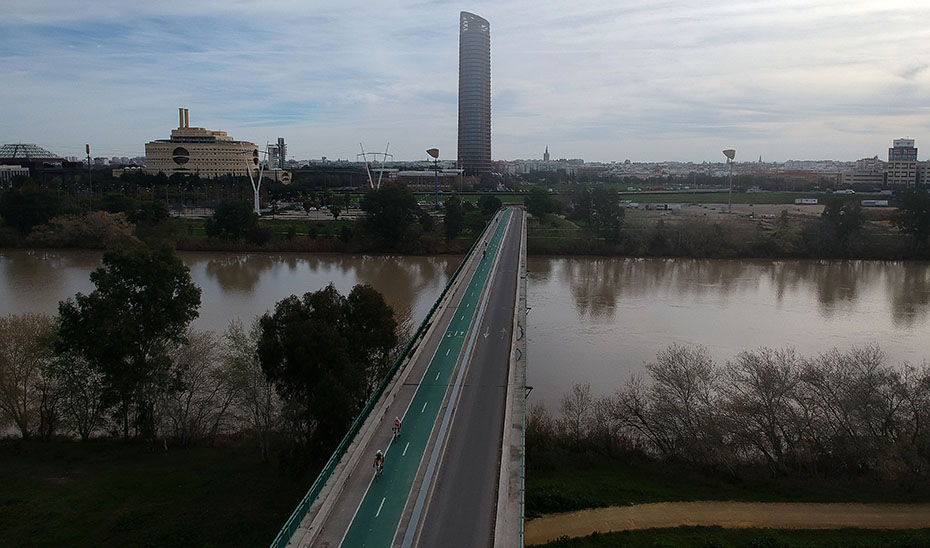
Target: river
x,y
594,320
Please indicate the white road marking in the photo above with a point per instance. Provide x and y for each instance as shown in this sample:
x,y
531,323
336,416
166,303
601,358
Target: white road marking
x,y
404,454
447,351
378,513
424,406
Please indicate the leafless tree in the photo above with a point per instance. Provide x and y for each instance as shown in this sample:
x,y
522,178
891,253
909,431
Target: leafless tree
x,y
859,398
760,403
683,397
81,389
22,358
257,401
576,408
202,394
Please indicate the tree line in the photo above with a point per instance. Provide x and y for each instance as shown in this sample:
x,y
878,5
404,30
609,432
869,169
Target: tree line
x,y
841,231
838,413
124,362
392,220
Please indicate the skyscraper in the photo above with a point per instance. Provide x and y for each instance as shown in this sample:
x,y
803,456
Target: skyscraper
x,y
474,154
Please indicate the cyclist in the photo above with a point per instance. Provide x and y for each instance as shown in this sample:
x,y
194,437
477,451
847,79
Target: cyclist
x,y
396,428
379,461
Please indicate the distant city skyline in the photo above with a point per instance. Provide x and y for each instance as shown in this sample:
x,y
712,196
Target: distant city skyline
x,y
645,81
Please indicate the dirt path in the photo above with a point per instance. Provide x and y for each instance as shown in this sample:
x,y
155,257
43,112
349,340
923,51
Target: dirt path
x,y
774,515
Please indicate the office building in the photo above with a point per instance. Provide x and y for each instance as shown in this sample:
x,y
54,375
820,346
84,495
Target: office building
x,y
901,170
8,173
474,146
202,151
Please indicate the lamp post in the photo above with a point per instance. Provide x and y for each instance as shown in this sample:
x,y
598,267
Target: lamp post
x,y
434,152
730,154
90,174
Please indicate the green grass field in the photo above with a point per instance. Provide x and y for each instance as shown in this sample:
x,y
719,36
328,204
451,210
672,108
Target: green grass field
x,y
115,494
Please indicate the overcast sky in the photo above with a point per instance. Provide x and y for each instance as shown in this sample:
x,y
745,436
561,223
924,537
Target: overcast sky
x,y
610,80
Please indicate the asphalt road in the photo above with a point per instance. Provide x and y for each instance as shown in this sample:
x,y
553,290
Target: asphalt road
x,y
462,509
375,519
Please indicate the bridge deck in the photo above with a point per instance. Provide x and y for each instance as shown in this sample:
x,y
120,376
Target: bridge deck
x,y
440,483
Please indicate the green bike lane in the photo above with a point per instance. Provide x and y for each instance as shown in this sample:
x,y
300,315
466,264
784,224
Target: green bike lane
x,y
378,515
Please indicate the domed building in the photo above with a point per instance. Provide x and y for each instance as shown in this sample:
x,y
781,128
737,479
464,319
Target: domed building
x,y
25,154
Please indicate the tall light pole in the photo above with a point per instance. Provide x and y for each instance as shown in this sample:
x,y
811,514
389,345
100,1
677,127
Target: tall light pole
x,y
434,152
90,175
730,154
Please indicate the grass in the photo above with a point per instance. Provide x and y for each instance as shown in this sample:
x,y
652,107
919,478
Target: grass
x,y
716,537
108,493
559,481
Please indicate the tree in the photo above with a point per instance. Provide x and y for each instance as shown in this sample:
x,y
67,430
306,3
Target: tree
x,y
143,302
606,213
232,220
22,359
581,204
913,216
202,394
760,392
489,204
454,217
82,392
390,211
538,202
256,397
325,352
334,209
843,217
26,207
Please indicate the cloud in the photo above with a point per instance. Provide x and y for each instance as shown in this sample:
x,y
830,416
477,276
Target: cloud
x,y
599,80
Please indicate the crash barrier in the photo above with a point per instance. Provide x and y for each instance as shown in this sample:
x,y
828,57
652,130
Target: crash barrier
x,y
293,522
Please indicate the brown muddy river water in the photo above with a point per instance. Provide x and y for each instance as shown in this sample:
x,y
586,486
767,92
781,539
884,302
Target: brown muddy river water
x,y
594,320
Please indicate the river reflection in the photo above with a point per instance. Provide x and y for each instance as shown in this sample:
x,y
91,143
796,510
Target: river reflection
x,y
594,320
598,320
233,285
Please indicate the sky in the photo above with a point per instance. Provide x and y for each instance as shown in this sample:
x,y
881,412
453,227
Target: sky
x,y
604,81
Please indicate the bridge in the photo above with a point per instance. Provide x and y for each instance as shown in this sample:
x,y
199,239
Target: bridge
x,y
454,477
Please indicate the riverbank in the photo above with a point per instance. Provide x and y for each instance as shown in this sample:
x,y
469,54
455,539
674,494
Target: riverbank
x,y
729,515
108,493
559,480
718,537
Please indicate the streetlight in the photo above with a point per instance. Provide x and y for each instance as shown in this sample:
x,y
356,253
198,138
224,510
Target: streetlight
x,y
730,154
434,152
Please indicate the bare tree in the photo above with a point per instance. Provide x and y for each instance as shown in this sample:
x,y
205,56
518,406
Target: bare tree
x,y
22,357
859,398
82,388
760,395
201,397
257,399
576,408
683,392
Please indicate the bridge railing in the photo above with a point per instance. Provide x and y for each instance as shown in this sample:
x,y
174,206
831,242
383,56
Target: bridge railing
x,y
297,516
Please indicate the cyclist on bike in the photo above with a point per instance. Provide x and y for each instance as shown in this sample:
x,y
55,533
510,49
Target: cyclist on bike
x,y
379,460
396,428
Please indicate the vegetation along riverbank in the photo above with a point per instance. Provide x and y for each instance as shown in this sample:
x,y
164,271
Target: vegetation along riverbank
x,y
591,219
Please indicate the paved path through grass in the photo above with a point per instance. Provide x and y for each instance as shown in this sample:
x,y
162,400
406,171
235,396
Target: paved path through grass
x,y
771,515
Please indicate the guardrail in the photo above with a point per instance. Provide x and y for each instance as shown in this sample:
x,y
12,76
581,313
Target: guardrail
x,y
297,516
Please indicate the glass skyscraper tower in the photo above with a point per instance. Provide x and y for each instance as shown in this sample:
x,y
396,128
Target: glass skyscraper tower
x,y
474,154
